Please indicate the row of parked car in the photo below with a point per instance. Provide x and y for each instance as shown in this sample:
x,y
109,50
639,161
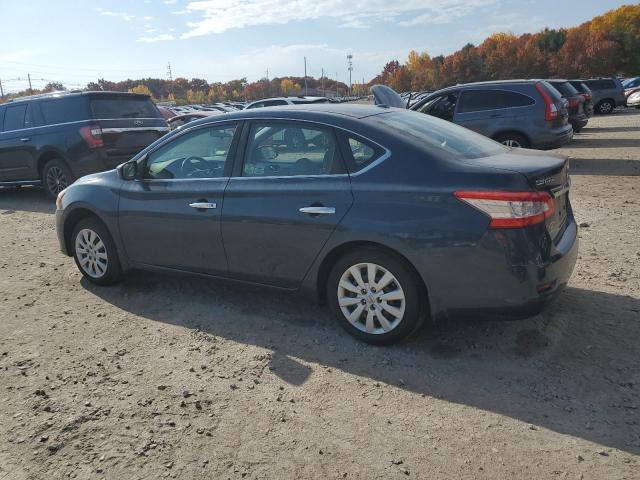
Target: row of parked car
x,y
55,138
541,114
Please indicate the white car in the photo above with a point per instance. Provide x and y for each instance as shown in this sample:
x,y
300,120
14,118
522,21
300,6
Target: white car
x,y
278,101
633,100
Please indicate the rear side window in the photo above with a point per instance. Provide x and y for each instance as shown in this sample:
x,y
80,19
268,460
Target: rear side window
x,y
478,100
565,88
105,108
360,152
63,110
14,117
274,103
601,84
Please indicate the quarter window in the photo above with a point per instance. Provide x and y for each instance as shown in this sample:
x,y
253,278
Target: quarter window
x,y
479,100
362,154
200,154
285,149
14,117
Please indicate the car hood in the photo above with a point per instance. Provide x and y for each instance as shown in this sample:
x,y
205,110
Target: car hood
x,y
110,177
384,95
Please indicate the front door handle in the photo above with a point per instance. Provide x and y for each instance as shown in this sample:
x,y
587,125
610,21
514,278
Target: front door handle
x,y
26,139
318,210
203,205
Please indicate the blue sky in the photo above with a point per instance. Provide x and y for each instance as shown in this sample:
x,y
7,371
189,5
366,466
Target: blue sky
x,y
76,41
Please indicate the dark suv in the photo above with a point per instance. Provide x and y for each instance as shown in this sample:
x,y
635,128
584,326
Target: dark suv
x,y
608,93
575,103
53,139
518,113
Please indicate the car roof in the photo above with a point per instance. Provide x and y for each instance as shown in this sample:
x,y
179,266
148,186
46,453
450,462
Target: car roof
x,y
322,112
75,93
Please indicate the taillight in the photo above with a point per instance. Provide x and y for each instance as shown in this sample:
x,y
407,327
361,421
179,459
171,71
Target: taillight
x,y
573,102
92,134
550,110
510,209
586,96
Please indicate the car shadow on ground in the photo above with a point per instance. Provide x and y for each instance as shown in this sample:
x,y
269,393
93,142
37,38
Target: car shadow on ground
x,y
25,199
619,167
572,369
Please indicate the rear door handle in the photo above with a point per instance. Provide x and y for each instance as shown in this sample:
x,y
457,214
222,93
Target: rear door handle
x,y
203,205
25,139
318,210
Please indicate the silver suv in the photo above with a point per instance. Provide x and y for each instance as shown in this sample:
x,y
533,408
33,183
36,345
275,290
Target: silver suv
x,y
608,93
518,113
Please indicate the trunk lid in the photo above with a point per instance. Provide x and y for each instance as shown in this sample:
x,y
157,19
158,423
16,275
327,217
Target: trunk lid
x,y
384,95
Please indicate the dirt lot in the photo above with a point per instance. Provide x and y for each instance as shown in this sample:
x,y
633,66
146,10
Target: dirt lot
x,y
182,378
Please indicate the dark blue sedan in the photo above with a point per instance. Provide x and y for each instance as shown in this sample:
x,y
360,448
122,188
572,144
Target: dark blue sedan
x,y
390,216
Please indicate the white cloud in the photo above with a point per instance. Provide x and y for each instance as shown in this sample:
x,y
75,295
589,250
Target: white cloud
x,y
163,37
108,13
217,16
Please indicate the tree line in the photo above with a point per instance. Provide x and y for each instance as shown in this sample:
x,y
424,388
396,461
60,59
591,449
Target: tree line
x,y
606,45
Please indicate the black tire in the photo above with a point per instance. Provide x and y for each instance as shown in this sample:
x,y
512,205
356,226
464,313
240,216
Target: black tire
x,y
56,176
605,107
113,272
409,285
515,140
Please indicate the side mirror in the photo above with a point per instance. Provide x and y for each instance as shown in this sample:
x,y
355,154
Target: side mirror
x,y
128,170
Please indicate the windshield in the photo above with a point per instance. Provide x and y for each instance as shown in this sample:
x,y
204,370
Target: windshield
x,y
440,135
108,107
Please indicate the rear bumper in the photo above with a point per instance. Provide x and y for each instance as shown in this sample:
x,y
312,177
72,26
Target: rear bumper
x,y
579,121
555,139
508,276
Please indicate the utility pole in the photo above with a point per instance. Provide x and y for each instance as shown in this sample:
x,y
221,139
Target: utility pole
x,y
350,64
170,75
305,76
30,88
268,84
321,80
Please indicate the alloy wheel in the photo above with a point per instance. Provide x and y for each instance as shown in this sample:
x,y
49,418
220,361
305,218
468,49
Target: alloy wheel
x,y
606,107
56,180
371,298
91,253
512,143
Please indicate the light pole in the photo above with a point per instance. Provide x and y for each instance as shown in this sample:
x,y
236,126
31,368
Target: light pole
x,y
350,64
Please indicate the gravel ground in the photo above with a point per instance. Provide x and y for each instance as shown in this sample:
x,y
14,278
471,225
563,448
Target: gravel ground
x,y
174,377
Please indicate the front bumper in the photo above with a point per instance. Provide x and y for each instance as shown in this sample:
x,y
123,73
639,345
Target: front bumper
x,y
60,217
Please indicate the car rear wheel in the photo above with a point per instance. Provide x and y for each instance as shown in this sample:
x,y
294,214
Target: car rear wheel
x,y
514,140
95,253
56,176
605,107
375,296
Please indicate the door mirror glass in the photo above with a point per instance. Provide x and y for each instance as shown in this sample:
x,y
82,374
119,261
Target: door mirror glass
x,y
129,170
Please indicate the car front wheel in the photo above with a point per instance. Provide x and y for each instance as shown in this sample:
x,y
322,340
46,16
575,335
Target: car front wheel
x,y
95,253
375,296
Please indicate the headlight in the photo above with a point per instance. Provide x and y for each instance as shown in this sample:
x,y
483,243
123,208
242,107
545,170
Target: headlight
x,y
59,199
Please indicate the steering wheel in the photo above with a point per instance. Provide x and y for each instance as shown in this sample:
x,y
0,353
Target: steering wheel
x,y
193,164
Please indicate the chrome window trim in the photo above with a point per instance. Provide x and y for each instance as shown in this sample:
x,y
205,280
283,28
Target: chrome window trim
x,y
378,161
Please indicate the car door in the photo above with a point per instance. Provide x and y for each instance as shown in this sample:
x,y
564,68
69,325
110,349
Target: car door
x,y
283,202
170,217
17,151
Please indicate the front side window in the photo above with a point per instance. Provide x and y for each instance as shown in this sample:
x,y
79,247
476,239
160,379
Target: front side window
x,y
200,154
14,117
287,149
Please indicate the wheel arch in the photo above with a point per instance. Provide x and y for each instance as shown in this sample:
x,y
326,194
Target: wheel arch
x,y
333,255
511,130
46,156
73,218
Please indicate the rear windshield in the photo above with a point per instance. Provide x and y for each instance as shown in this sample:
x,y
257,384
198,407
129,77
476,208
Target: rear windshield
x,y
553,92
123,107
565,88
439,135
63,110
